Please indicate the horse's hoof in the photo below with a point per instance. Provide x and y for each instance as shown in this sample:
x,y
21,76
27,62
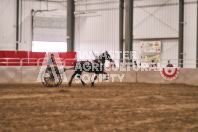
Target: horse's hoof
x,y
69,84
105,79
83,84
92,84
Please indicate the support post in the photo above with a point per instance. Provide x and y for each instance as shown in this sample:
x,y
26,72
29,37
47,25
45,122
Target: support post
x,y
121,26
17,25
197,38
129,28
70,25
181,33
32,25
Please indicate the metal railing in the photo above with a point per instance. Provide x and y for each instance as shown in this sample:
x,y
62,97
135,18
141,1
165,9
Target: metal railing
x,y
9,61
33,61
187,63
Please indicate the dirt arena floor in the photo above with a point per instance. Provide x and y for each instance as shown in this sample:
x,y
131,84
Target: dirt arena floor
x,y
105,108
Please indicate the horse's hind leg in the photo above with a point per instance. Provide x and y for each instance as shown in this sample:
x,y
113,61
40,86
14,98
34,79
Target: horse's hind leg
x,y
79,74
107,78
70,82
92,84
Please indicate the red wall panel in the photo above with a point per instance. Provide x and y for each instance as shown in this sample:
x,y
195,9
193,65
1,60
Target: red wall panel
x,y
10,54
22,54
72,58
1,54
33,58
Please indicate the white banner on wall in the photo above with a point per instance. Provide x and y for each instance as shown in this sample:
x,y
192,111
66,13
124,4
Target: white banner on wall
x,y
149,58
153,47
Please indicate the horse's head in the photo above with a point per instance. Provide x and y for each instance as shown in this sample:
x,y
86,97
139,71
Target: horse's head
x,y
105,56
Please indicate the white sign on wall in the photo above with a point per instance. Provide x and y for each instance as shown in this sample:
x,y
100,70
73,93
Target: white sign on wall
x,y
151,47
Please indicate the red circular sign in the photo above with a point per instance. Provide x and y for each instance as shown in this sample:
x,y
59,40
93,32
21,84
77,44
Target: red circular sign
x,y
169,73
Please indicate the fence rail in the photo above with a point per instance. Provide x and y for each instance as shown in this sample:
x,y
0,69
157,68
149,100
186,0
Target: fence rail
x,y
33,61
187,63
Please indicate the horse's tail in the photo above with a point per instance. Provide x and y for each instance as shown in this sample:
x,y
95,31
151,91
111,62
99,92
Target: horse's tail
x,y
72,68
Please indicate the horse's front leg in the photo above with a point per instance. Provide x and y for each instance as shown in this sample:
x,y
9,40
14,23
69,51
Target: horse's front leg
x,y
92,84
70,82
83,83
107,77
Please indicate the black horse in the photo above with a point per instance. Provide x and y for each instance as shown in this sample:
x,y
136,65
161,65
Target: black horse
x,y
97,66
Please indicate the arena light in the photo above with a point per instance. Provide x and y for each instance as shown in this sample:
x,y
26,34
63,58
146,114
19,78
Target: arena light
x,y
42,46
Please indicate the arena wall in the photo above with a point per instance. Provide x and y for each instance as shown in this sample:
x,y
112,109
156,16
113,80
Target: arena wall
x,y
186,76
101,32
29,74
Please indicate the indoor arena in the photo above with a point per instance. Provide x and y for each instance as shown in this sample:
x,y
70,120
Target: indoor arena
x,y
99,65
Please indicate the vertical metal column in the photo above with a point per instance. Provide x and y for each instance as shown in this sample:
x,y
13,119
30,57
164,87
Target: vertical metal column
x,y
121,31
32,25
181,32
70,25
17,25
129,26
197,38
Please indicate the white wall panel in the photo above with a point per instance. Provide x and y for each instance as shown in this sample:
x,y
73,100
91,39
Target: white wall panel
x,y
26,33
99,32
10,74
7,24
29,73
190,20
169,52
154,2
48,34
155,21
